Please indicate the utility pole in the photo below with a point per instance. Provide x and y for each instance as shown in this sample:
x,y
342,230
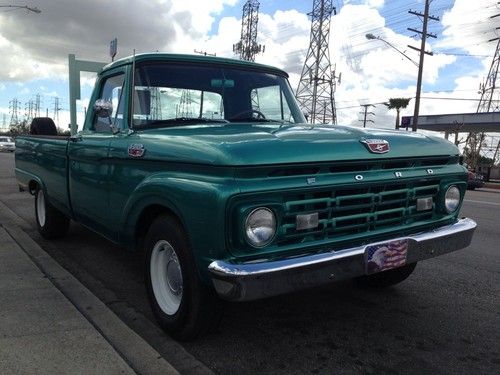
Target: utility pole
x,y
316,89
422,52
365,113
247,47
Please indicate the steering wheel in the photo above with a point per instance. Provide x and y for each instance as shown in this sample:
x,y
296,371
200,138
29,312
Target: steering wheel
x,y
252,111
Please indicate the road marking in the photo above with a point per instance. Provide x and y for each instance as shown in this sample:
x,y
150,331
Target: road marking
x,y
483,202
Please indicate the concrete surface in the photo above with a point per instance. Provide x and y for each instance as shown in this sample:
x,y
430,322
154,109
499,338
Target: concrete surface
x,y
443,320
51,324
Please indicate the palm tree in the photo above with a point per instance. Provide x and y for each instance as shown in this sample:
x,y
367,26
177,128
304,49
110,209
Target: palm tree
x,y
398,103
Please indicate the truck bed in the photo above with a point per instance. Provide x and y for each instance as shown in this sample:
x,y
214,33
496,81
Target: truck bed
x,y
44,159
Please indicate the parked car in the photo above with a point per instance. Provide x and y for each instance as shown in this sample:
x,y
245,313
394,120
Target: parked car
x,y
474,180
7,144
207,166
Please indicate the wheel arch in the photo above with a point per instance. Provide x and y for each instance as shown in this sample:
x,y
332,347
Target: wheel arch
x,y
140,217
146,218
34,185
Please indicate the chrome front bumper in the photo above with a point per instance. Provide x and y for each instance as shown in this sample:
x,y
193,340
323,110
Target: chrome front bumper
x,y
255,280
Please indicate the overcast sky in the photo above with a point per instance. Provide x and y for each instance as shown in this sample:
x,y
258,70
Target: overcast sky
x,y
34,47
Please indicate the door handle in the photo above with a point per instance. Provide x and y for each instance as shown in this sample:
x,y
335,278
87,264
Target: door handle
x,y
76,138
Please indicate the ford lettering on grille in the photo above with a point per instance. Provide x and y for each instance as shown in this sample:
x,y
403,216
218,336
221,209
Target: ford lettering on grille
x,y
377,146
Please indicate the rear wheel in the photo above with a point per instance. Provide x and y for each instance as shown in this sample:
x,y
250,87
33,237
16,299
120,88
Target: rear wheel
x,y
386,278
51,223
183,306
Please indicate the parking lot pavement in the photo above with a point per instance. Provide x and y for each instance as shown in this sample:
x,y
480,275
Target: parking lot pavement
x,y
443,319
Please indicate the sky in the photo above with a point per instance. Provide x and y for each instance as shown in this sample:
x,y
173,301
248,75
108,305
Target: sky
x,y
34,47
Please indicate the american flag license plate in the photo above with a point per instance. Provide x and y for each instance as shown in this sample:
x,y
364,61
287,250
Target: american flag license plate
x,y
386,256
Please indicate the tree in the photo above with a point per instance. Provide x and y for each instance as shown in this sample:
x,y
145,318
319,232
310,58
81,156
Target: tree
x,y
398,103
19,129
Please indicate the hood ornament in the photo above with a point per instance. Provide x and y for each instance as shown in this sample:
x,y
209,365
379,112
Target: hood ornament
x,y
376,146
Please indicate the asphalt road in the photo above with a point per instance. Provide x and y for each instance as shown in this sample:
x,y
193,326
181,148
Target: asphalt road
x,y
444,319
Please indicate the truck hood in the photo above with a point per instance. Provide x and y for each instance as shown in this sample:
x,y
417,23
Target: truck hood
x,y
263,144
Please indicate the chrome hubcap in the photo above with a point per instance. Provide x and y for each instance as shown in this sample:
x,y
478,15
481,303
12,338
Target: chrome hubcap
x,y
166,277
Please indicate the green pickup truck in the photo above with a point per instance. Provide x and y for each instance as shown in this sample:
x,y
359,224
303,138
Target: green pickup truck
x,y
208,167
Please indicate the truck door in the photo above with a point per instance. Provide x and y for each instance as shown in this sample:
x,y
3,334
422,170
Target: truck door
x,y
89,162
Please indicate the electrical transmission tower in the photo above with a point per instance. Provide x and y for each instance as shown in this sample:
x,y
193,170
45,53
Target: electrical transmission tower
x,y
37,105
489,102
247,47
490,98
29,111
14,111
184,108
317,85
156,112
56,110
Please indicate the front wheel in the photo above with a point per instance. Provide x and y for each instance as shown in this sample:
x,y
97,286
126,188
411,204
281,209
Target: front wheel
x,y
51,222
183,306
386,278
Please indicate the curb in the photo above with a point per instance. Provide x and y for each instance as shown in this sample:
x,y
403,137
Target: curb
x,y
137,353
493,186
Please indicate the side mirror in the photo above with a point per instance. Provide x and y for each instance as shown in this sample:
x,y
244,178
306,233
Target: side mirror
x,y
103,108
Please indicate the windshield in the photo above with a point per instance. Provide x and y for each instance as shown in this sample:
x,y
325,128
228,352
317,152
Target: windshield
x,y
167,94
5,139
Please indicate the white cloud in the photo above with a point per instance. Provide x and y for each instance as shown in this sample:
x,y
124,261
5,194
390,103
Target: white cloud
x,y
61,28
372,72
468,26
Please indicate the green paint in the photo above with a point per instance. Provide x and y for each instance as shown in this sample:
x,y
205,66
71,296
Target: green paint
x,y
210,175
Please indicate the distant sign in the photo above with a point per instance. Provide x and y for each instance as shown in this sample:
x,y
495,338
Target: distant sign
x,y
113,47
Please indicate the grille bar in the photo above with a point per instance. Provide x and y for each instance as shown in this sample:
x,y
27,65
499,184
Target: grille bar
x,y
355,211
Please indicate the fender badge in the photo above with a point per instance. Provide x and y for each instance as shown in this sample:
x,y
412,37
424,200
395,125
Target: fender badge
x,y
136,150
377,146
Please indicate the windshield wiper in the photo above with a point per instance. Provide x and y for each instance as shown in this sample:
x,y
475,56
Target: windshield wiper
x,y
262,120
171,122
255,119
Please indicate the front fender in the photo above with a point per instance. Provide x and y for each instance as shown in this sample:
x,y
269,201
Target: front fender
x,y
198,204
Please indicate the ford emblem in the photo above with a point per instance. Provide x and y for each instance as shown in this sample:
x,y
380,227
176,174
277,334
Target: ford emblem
x,y
377,146
136,150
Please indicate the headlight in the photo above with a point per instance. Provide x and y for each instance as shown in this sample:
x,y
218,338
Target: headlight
x,y
260,227
452,199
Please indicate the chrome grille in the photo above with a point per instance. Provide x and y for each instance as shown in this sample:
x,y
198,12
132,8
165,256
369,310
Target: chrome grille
x,y
349,211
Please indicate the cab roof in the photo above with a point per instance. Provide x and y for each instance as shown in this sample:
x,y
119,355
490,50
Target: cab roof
x,y
193,59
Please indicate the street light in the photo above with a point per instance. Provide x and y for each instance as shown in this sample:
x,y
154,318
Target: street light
x,y
371,37
28,8
419,79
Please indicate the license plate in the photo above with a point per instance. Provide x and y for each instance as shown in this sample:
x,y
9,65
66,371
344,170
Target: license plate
x,y
385,256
